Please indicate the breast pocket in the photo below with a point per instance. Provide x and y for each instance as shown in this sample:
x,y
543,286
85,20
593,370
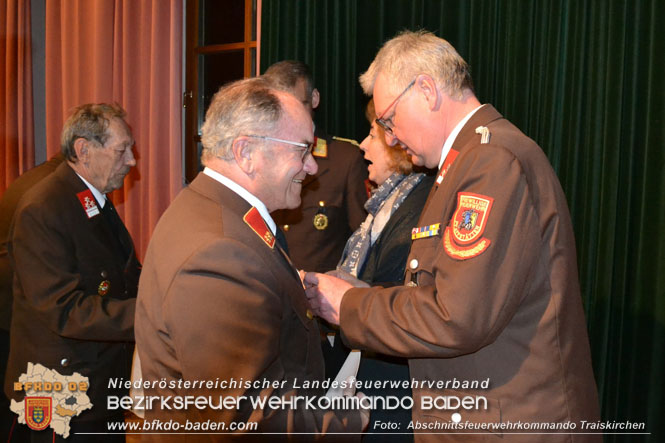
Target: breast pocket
x,y
103,279
420,265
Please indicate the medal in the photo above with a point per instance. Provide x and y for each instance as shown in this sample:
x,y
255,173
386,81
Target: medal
x,y
103,287
321,219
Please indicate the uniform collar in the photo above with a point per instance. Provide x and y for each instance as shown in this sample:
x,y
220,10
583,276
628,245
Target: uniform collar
x,y
448,144
245,194
101,198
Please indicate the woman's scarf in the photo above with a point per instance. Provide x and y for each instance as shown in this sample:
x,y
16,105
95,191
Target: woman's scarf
x,y
380,207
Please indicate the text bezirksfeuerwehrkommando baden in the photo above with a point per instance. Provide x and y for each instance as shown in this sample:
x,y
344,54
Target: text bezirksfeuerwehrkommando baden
x,y
180,402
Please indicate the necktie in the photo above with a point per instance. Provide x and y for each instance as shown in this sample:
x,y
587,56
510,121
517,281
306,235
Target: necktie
x,y
281,240
118,228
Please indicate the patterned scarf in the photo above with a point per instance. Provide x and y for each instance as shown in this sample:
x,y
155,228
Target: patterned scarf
x,y
380,207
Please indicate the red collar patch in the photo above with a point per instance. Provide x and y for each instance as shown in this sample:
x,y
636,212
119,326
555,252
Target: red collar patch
x,y
255,221
463,237
450,159
88,202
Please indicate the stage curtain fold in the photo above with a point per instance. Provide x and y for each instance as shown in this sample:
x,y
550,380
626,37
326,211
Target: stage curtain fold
x,y
129,52
17,150
586,80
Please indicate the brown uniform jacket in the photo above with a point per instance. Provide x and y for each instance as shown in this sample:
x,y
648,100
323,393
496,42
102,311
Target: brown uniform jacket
x,y
217,302
60,316
504,307
8,205
340,185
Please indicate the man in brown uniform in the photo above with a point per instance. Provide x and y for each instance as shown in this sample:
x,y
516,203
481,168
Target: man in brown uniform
x,y
333,199
491,305
76,271
219,300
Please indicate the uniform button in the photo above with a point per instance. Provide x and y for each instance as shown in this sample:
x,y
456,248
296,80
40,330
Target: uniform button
x,y
104,274
285,227
64,362
310,315
413,264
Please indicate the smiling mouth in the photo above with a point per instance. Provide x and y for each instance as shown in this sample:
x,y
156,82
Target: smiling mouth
x,y
295,180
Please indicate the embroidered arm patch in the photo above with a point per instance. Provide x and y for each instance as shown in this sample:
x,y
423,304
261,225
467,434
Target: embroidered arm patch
x,y
463,237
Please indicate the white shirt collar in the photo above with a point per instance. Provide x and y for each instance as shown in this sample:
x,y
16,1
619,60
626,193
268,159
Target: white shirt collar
x,y
101,198
448,144
245,194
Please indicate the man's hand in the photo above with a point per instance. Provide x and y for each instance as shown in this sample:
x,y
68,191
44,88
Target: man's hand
x,y
325,295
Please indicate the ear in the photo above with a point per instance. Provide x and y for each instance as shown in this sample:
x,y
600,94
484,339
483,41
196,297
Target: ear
x,y
82,149
316,98
430,91
242,154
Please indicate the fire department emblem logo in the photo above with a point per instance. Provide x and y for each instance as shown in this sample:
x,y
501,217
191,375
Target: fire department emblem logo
x,y
463,238
38,412
470,217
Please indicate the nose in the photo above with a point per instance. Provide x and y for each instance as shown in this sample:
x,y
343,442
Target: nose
x,y
390,138
310,166
363,145
130,160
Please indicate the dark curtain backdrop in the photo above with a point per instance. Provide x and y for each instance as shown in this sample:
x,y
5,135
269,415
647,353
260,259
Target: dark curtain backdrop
x,y
586,80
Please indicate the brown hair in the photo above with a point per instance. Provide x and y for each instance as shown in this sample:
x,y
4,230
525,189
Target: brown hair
x,y
399,159
284,75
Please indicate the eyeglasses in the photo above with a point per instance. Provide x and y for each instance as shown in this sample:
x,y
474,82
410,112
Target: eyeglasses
x,y
386,123
306,147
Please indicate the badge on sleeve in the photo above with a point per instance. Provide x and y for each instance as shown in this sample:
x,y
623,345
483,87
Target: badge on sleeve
x,y
463,237
88,202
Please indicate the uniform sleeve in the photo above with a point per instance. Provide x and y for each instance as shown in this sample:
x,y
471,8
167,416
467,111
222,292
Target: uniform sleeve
x,y
356,193
463,304
52,276
225,316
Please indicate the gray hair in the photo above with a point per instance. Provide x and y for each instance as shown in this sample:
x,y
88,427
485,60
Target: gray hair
x,y
285,74
89,121
243,107
411,53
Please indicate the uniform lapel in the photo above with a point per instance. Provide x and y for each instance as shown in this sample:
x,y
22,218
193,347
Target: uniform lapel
x,y
254,238
101,231
216,191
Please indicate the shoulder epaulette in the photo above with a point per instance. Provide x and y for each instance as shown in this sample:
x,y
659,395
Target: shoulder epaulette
x,y
348,140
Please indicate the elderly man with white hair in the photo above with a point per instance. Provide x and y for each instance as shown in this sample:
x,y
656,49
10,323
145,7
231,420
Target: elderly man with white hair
x,y
220,302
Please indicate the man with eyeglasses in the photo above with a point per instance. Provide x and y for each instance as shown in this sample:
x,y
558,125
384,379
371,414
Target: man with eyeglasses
x,y
333,199
75,275
490,310
219,300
